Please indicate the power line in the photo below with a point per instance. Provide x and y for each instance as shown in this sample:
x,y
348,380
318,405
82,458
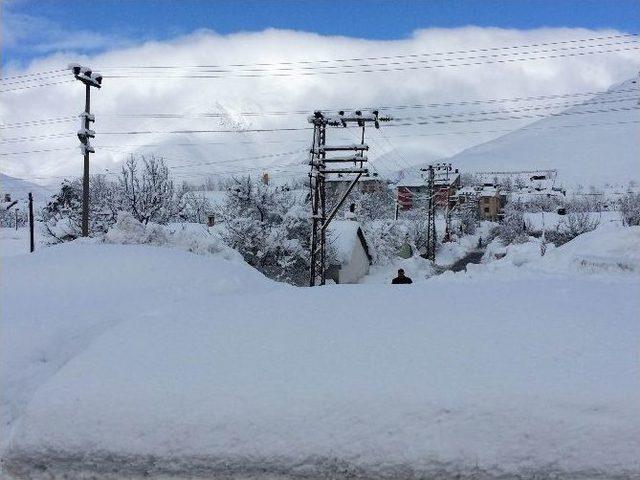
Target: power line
x,y
35,86
407,121
69,119
34,74
408,62
369,70
384,57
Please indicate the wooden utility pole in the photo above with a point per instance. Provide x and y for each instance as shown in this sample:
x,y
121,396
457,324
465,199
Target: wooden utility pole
x,y
31,239
85,170
90,79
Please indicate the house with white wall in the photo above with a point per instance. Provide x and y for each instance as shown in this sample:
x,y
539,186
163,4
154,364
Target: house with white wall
x,y
352,259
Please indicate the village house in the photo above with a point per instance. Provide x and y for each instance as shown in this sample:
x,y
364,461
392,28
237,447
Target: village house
x,y
446,182
352,252
489,200
338,184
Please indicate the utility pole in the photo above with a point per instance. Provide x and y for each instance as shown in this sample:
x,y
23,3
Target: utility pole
x,y
317,177
31,239
430,254
90,79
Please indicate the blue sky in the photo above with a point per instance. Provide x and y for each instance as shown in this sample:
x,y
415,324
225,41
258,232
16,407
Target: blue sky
x,y
34,28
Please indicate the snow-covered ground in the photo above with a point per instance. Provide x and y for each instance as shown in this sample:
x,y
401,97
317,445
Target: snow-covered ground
x,y
551,220
16,242
141,361
419,269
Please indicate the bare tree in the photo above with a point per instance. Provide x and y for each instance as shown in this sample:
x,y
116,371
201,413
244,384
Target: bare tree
x,y
148,192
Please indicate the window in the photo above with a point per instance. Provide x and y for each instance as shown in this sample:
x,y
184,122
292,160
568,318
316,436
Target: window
x,y
486,209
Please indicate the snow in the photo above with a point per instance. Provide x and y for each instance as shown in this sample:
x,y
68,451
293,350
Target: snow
x,y
13,242
190,237
603,147
416,268
343,238
609,249
216,198
552,220
84,288
147,361
19,189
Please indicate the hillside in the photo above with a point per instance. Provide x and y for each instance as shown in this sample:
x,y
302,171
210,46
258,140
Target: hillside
x,y
19,189
586,148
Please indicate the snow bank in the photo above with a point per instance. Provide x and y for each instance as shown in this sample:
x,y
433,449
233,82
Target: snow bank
x,y
139,361
192,237
57,301
610,249
551,220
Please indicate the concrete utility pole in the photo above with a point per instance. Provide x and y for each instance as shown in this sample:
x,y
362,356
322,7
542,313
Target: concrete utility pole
x,y
90,79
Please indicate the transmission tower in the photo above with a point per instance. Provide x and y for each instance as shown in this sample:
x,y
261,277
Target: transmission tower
x,y
430,254
322,166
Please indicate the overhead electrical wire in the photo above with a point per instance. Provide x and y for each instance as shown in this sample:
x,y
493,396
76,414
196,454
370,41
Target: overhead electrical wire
x,y
380,57
298,173
404,62
375,69
68,119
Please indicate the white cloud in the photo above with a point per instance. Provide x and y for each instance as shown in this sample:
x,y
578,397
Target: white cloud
x,y
269,93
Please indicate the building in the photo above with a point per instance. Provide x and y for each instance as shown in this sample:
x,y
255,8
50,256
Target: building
x,y
487,198
338,184
409,189
490,202
352,261
413,186
446,183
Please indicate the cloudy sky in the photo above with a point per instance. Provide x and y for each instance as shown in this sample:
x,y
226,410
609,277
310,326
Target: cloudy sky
x,y
225,87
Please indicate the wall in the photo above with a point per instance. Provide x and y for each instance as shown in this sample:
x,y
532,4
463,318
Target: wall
x,y
356,268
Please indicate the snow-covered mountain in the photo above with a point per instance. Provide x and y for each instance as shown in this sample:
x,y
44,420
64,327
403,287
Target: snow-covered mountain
x,y
595,143
19,189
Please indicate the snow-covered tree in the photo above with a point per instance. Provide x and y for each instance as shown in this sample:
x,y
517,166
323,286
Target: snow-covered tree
x,y
270,228
196,207
513,228
469,218
148,191
62,216
630,209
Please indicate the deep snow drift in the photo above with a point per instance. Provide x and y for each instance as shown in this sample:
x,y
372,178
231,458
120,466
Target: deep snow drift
x,y
141,361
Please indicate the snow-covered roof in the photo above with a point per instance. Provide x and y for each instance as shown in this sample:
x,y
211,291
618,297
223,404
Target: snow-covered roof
x,y
350,177
412,180
465,191
488,191
344,235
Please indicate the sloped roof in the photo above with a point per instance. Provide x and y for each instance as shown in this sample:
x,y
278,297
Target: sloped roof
x,y
344,236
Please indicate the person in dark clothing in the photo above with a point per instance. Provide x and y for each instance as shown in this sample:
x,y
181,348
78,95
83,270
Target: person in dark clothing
x,y
401,278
